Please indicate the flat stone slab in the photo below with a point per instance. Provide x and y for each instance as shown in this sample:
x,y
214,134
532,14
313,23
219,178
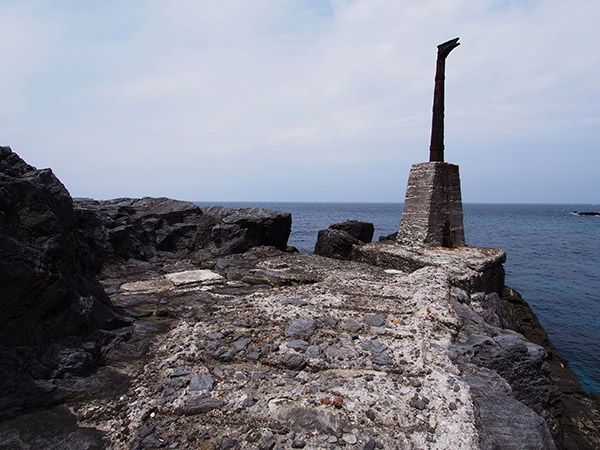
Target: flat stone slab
x,y
193,276
471,268
147,286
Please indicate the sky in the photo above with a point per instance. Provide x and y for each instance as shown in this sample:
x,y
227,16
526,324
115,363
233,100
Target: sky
x,y
302,100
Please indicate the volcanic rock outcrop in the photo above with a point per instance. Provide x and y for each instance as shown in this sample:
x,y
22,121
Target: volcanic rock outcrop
x,y
46,270
144,228
56,315
337,240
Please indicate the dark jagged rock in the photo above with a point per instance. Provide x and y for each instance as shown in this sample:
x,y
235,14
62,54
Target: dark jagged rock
x,y
502,421
363,231
390,237
517,367
53,307
239,229
127,228
46,271
57,429
587,213
274,346
335,244
338,239
575,416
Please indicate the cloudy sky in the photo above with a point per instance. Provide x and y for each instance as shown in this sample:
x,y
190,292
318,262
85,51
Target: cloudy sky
x,y
302,100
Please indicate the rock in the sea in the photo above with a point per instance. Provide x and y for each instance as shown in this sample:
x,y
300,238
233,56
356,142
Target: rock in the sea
x,y
238,229
338,239
586,213
363,231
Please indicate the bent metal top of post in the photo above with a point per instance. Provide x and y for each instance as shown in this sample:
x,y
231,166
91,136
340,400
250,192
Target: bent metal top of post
x,y
436,150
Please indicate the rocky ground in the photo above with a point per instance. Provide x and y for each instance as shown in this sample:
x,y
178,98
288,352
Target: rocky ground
x,y
280,350
192,328
298,351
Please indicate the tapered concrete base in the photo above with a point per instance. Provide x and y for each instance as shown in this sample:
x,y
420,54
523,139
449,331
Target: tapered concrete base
x,y
433,213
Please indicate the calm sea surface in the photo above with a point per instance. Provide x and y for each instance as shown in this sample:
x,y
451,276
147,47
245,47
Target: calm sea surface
x,y
553,260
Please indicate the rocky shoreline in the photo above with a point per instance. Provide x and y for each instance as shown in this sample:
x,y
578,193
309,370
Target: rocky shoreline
x,y
200,328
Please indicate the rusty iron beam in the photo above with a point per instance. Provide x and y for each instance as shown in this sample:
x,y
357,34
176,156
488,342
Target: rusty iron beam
x,y
436,150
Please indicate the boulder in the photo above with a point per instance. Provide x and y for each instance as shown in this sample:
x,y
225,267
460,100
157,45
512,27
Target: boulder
x,y
511,372
363,231
139,228
338,239
126,228
389,237
48,289
56,314
238,229
587,213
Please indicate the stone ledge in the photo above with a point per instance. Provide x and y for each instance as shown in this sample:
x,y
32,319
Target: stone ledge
x,y
475,269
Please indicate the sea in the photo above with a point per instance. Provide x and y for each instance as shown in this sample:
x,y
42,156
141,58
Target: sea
x,y
553,260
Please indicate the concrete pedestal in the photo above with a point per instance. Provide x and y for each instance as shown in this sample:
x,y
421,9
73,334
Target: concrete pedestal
x,y
432,214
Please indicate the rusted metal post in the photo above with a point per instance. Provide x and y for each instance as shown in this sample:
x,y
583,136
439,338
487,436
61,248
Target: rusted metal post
x,y
436,150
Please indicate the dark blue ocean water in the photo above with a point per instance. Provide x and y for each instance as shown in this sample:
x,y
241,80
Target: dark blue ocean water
x,y
553,260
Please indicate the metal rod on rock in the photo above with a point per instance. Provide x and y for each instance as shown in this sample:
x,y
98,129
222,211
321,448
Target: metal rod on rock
x,y
436,150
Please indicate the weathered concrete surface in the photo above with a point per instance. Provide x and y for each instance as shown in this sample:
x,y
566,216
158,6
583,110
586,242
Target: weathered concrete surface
x,y
432,214
476,269
309,352
313,369
535,375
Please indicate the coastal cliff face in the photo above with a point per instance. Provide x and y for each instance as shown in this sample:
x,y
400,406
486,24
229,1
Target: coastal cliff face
x,y
234,343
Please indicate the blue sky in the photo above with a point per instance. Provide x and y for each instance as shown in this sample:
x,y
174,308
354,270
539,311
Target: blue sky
x,y
302,100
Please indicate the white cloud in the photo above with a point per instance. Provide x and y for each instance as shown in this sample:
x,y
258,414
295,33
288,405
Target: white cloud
x,y
150,94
